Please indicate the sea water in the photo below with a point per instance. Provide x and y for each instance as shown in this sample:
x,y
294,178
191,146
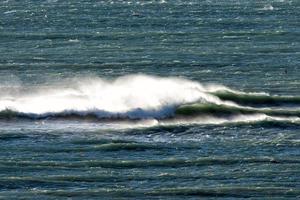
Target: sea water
x,y
149,99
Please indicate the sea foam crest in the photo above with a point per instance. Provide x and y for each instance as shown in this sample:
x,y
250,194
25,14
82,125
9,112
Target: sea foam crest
x,y
132,96
141,97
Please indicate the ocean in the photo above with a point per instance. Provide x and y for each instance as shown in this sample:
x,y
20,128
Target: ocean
x,y
150,99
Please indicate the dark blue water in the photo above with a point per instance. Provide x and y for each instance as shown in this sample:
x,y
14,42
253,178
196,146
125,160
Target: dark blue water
x,y
149,99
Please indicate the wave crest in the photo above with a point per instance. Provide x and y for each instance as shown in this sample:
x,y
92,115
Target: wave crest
x,y
140,97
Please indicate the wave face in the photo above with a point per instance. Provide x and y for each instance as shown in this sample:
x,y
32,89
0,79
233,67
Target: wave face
x,y
142,97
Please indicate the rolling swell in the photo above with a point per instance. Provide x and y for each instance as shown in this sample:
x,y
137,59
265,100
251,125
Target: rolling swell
x,y
258,99
176,163
224,110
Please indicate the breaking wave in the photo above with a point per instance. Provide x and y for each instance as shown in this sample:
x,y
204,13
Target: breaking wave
x,y
139,97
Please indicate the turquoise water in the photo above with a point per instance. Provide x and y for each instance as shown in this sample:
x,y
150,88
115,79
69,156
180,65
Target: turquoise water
x,y
149,99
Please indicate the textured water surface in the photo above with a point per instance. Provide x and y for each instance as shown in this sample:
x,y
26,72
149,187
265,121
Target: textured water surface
x,y
149,99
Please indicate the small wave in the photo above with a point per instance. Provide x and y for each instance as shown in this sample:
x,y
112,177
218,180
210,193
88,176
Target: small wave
x,y
268,7
261,99
74,40
10,11
175,162
225,110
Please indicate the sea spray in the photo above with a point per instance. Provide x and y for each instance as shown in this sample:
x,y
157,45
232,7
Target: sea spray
x,y
140,97
135,96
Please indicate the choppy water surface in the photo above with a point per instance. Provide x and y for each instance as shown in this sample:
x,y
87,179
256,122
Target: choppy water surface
x,y
149,99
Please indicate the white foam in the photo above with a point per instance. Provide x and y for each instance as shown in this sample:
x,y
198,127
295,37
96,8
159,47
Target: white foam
x,y
74,40
216,120
268,7
245,119
133,96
